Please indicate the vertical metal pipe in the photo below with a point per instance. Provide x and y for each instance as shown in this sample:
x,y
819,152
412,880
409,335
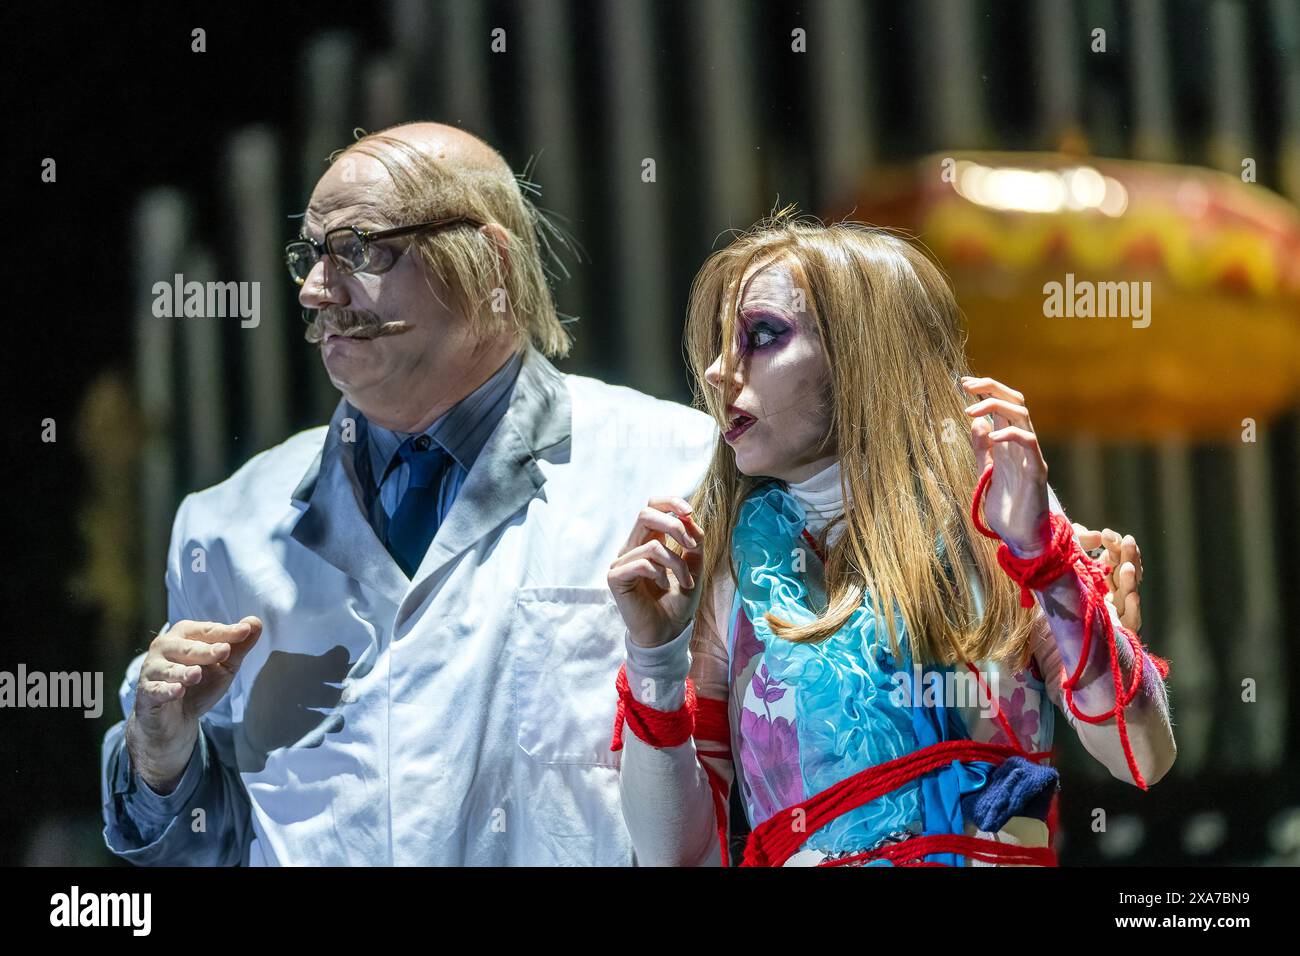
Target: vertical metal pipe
x,y
551,122
723,79
203,396
956,112
384,86
1057,69
1183,635
161,228
254,198
1255,650
1230,130
1153,104
1254,734
639,207
843,101
1285,27
411,25
462,51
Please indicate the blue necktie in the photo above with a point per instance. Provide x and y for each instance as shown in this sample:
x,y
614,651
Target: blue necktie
x,y
416,519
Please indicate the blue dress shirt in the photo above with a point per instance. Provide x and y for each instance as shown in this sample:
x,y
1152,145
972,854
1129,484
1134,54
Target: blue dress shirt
x,y
462,431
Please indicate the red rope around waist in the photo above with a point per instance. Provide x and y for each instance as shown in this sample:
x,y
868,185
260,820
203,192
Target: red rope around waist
x,y
779,837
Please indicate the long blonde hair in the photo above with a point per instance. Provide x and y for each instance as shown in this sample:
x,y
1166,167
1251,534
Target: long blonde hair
x,y
892,333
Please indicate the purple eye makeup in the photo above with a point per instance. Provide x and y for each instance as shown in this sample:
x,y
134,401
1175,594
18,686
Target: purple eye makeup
x,y
762,330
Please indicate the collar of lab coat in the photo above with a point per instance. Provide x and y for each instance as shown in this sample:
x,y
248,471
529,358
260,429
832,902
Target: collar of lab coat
x,y
537,425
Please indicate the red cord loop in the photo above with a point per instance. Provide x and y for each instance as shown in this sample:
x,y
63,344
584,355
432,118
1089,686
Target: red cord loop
x,y
658,728
702,717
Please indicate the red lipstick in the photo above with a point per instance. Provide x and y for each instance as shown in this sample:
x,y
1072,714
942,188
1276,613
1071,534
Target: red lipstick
x,y
739,423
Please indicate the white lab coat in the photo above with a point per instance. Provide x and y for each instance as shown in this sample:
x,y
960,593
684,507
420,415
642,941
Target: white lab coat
x,y
460,718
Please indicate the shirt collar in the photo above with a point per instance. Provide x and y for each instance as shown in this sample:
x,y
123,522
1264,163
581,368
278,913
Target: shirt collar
x,y
462,430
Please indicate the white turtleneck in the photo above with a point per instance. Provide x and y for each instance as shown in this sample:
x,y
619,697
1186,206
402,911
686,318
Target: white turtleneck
x,y
821,499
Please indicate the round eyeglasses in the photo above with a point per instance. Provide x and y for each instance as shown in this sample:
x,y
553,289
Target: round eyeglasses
x,y
353,249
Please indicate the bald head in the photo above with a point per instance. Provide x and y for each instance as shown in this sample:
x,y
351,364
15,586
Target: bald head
x,y
434,160
444,143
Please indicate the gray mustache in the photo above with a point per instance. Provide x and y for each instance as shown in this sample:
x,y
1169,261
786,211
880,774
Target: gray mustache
x,y
343,321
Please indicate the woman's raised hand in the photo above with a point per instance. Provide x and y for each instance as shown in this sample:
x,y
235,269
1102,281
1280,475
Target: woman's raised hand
x,y
656,589
1016,507
1124,558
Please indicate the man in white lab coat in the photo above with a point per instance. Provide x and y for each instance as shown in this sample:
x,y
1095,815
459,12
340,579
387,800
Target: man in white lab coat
x,y
390,639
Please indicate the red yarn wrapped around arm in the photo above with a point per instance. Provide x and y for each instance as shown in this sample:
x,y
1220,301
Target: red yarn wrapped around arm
x,y
1035,573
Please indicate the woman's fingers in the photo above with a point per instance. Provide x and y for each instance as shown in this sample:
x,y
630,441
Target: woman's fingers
x,y
1089,540
979,441
657,553
1131,617
1004,413
1013,435
1121,551
989,386
1129,610
1130,553
624,577
1125,578
1124,558
1011,422
629,575
682,509
657,519
1110,540
672,503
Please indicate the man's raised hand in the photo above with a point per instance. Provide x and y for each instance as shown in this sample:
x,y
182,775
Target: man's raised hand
x,y
187,669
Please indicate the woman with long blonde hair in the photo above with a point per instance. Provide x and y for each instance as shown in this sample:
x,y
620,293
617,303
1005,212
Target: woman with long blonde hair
x,y
829,622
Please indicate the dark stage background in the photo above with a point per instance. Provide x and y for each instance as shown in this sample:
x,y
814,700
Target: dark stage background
x,y
170,160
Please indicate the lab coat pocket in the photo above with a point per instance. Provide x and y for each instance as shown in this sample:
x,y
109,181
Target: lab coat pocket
x,y
570,647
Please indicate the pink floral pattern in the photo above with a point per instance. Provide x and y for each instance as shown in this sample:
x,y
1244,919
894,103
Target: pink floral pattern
x,y
1023,721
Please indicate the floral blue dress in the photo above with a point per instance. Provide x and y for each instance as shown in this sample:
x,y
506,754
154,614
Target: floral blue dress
x,y
806,716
